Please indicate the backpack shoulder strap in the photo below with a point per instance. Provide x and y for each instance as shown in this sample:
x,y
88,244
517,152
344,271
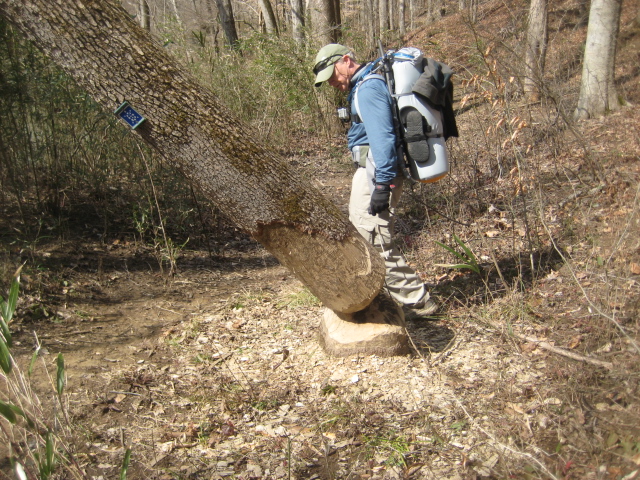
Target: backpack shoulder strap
x,y
355,116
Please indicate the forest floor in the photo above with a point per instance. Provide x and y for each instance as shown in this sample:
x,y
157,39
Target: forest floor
x,y
531,369
217,372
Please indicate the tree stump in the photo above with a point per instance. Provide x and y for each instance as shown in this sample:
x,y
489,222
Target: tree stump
x,y
379,330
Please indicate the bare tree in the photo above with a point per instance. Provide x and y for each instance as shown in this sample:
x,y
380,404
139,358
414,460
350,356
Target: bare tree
x,y
145,15
471,6
228,22
383,15
402,26
411,13
597,90
536,49
175,11
324,21
369,16
297,21
337,20
270,23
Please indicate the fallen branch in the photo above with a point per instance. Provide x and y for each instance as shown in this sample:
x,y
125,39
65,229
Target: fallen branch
x,y
563,352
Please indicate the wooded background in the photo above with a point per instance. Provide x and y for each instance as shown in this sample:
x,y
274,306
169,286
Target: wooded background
x,y
64,159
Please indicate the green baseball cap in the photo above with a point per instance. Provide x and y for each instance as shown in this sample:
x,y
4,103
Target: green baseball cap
x,y
325,59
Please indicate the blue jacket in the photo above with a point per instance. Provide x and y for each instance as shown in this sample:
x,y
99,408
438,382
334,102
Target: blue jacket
x,y
376,129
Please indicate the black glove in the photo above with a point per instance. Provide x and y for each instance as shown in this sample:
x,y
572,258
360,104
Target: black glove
x,y
380,198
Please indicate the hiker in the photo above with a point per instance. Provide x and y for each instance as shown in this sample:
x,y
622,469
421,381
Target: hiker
x,y
377,183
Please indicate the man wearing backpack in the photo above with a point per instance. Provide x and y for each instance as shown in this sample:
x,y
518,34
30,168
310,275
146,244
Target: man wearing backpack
x,y
377,183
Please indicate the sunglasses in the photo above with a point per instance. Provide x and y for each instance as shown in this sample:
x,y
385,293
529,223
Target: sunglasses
x,y
325,63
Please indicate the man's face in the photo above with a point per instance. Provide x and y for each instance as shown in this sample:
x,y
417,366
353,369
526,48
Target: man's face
x,y
341,77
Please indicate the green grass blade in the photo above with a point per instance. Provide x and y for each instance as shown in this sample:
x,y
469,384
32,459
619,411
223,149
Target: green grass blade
x,y
8,308
452,251
471,257
6,333
60,374
12,301
125,464
5,357
7,412
32,363
50,458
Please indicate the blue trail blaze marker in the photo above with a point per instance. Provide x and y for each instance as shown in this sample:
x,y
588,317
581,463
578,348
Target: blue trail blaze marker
x,y
129,115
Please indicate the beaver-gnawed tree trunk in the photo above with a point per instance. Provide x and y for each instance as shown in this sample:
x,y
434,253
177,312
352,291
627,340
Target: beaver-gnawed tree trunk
x,y
111,57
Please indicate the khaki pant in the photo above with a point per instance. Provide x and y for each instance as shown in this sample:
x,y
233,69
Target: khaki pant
x,y
403,283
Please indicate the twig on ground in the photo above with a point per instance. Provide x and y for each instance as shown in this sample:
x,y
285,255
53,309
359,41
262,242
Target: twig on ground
x,y
504,447
592,305
563,352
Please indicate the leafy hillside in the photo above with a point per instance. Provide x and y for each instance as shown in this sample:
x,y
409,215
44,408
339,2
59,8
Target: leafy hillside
x,y
201,355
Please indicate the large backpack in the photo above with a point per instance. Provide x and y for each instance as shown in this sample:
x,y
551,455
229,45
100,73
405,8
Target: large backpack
x,y
422,93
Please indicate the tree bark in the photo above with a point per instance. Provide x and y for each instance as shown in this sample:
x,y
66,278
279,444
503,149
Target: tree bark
x,y
175,11
323,21
145,15
370,20
270,22
383,16
297,21
337,20
114,60
536,51
402,26
228,22
597,89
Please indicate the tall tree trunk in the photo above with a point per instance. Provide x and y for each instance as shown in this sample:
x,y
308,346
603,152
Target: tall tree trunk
x,y
597,88
323,21
227,21
114,60
383,15
297,21
175,11
536,50
211,26
270,22
145,15
337,20
412,11
370,19
473,11
402,25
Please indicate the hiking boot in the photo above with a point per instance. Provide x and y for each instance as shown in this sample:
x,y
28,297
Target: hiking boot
x,y
428,309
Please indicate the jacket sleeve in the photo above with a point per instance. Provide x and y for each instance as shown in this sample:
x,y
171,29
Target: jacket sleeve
x,y
375,107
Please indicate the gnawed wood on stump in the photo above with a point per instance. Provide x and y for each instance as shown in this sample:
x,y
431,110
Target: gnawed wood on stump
x,y
114,60
379,329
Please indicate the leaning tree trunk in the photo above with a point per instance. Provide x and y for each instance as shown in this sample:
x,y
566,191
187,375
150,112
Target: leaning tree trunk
x,y
597,88
114,60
